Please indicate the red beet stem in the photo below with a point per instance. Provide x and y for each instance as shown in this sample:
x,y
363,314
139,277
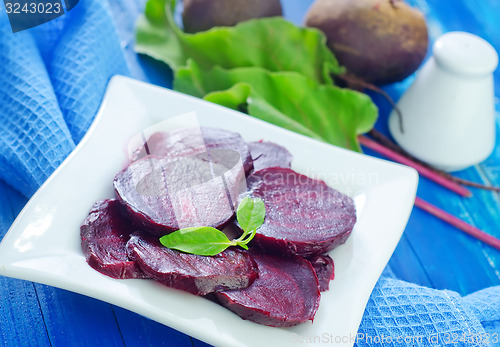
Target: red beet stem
x,y
421,169
458,223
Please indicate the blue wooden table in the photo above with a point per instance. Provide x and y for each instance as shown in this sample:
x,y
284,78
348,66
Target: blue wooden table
x,y
430,253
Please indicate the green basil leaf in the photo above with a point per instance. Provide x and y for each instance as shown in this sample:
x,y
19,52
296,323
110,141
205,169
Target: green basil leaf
x,y
206,241
287,99
250,214
271,43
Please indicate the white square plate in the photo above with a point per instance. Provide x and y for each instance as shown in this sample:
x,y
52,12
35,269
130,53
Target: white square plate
x,y
43,244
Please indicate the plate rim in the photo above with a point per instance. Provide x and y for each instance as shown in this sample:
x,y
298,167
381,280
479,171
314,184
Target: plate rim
x,y
114,84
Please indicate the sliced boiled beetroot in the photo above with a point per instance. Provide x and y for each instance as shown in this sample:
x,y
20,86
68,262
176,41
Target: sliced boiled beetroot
x,y
186,142
268,154
104,235
196,274
285,294
304,216
163,195
325,270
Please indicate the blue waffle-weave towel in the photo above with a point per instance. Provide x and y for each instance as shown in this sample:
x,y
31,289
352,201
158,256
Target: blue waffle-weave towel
x,y
52,80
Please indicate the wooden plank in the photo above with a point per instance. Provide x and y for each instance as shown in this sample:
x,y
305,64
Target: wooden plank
x,y
406,265
198,343
140,331
438,248
490,168
20,321
75,320
451,259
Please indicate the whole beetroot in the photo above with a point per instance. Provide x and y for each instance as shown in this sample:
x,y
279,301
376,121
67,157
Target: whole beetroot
x,y
379,41
202,15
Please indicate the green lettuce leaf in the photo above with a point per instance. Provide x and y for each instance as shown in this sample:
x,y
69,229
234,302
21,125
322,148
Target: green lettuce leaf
x,y
270,43
287,99
266,67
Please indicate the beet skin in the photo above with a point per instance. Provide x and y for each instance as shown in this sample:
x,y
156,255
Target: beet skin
x,y
379,41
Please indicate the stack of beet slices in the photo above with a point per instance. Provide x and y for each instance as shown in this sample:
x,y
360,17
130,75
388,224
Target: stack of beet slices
x,y
173,182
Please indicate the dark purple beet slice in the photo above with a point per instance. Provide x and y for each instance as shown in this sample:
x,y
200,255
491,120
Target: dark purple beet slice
x,y
195,274
303,216
268,154
285,294
163,195
325,270
186,142
104,235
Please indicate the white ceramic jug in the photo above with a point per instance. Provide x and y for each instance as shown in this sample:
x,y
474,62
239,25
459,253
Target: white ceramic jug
x,y
449,111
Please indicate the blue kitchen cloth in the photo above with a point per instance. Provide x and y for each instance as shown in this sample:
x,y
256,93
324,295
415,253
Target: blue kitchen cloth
x,y
52,80
399,313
